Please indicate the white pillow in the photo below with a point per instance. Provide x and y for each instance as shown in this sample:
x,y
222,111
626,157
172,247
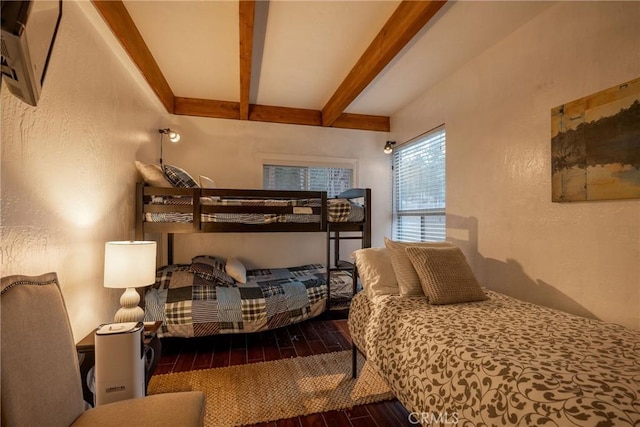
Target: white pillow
x,y
406,274
376,272
152,175
236,269
206,182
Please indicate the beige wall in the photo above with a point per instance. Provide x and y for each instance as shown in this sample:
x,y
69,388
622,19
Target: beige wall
x,y
67,167
230,152
579,257
67,172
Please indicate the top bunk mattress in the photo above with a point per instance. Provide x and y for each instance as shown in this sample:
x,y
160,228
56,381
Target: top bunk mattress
x,y
338,210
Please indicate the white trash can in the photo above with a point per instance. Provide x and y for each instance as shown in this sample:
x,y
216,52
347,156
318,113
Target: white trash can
x,y
120,362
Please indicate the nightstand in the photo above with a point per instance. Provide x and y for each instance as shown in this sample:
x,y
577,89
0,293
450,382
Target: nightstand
x,y
87,357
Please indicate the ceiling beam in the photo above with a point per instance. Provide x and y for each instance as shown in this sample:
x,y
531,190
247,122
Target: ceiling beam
x,y
273,114
247,17
408,18
207,108
118,19
362,122
293,116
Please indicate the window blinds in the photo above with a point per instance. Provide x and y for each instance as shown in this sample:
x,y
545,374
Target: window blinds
x,y
330,179
419,188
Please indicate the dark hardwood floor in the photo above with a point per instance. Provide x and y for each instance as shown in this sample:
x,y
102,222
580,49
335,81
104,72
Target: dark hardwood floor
x,y
315,336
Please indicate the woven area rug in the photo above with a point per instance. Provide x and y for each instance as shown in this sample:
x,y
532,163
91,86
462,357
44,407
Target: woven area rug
x,y
269,391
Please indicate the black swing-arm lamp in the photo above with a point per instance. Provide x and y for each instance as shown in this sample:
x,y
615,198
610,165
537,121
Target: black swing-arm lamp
x,y
173,137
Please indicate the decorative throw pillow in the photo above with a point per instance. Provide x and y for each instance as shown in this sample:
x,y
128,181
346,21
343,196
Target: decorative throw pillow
x,y
445,275
152,175
406,275
236,270
179,177
210,268
376,272
206,182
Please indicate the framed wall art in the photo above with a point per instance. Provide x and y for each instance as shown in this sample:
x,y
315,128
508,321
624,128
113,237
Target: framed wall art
x,y
595,146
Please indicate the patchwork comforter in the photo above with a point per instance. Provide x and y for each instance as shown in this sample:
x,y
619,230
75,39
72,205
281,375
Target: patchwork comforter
x,y
190,305
500,362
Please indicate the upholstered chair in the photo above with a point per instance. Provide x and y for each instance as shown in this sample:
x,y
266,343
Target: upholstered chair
x,y
40,371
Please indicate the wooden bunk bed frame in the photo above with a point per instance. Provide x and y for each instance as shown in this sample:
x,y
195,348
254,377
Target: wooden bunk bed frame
x,y
145,193
355,230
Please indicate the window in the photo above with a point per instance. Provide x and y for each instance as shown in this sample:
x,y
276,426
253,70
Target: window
x,y
419,188
333,180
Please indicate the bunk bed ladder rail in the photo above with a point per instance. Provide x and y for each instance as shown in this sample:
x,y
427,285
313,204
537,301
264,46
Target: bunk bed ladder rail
x,y
364,230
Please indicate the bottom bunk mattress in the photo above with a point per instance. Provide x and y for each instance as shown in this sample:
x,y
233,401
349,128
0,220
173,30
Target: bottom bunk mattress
x,y
191,304
500,362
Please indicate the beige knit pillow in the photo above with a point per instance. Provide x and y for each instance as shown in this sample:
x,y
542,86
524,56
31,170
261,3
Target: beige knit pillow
x,y
445,276
408,280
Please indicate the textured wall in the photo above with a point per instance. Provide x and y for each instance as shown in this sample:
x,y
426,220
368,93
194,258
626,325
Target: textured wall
x,y
579,257
229,151
67,167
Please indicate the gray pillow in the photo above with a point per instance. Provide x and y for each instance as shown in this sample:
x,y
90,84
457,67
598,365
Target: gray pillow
x,y
445,276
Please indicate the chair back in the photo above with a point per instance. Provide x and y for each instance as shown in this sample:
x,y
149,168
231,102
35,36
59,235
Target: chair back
x,y
40,371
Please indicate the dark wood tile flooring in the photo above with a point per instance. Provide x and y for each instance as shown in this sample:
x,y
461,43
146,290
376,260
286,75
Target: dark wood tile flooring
x,y
315,336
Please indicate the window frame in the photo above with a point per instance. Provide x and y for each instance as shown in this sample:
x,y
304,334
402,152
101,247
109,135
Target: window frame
x,y
426,231
293,160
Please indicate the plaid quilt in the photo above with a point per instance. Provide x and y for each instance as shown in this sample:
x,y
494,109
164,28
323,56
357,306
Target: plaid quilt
x,y
191,306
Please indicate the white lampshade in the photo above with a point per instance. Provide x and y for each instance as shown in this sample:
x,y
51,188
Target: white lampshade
x,y
129,264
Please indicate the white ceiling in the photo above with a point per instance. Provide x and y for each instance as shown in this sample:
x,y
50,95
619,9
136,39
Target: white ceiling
x,y
303,50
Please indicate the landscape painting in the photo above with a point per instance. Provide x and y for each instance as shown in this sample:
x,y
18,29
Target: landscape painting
x,y
595,146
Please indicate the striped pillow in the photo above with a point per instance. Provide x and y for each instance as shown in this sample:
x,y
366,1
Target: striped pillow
x,y
406,275
445,275
179,177
210,268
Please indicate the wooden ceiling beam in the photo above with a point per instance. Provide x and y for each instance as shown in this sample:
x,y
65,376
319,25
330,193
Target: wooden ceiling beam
x,y
118,19
273,114
288,115
408,18
247,17
207,108
362,122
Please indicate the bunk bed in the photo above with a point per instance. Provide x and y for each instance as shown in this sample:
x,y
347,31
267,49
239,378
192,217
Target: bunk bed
x,y
171,211
198,210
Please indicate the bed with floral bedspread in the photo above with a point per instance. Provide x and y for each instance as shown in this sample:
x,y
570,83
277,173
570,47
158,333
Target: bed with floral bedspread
x,y
500,362
200,299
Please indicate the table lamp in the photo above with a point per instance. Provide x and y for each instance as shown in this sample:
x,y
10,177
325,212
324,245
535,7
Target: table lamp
x,y
129,265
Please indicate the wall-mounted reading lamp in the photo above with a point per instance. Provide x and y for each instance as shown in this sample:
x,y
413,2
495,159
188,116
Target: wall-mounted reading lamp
x,y
388,147
173,137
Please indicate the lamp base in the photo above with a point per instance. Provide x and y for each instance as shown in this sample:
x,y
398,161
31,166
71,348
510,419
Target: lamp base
x,y
130,311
